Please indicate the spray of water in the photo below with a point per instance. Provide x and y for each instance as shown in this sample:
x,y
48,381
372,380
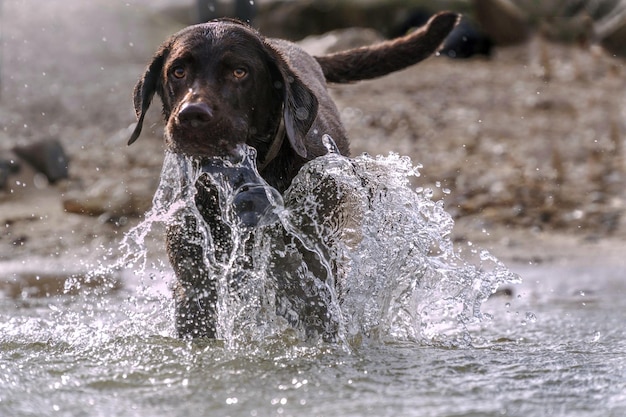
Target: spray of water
x,y
350,251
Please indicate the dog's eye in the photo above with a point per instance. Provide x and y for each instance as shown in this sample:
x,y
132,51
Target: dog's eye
x,y
179,72
240,73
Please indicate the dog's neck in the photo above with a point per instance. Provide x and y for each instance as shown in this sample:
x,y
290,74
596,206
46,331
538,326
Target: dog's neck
x,y
274,148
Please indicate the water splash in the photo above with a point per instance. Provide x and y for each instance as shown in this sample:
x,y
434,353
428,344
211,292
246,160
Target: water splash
x,y
350,250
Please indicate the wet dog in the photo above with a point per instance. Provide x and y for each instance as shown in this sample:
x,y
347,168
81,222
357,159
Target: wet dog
x,y
223,84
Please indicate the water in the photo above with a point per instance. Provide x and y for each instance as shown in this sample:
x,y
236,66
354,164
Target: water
x,y
416,335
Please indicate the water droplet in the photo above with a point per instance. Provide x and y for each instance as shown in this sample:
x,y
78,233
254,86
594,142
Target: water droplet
x,y
330,145
530,317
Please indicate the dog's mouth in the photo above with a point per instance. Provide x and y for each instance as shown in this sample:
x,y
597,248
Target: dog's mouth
x,y
198,143
204,147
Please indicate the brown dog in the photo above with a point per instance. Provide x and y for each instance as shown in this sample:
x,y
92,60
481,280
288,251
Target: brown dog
x,y
223,84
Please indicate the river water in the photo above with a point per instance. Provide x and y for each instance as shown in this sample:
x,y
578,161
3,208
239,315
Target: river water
x,y
420,329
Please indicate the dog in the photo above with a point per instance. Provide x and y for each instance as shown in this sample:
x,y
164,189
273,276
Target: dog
x,y
223,84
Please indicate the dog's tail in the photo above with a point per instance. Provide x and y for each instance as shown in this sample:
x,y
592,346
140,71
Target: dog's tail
x,y
385,57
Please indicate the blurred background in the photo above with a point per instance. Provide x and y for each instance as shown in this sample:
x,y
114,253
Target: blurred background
x,y
519,123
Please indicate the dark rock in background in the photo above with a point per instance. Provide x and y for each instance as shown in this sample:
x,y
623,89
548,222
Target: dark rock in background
x,y
611,31
502,20
585,22
295,20
210,9
47,157
467,40
8,167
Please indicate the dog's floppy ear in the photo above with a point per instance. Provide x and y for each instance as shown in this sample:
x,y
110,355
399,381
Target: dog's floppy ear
x,y
145,89
299,102
299,112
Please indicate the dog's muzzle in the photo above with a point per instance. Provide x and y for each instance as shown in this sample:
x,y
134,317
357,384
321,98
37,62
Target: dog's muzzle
x,y
195,114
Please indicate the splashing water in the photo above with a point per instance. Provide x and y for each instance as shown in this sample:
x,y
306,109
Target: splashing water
x,y
349,250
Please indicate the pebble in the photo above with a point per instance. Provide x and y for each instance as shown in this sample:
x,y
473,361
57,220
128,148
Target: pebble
x,y
8,167
47,157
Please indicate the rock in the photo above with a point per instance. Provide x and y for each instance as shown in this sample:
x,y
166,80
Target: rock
x,y
4,174
611,32
47,157
511,22
110,197
298,19
467,40
206,10
414,19
8,166
502,20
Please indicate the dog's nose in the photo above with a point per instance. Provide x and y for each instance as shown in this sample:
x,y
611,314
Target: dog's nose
x,y
195,114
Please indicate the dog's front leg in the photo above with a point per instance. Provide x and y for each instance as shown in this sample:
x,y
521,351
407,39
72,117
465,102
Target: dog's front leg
x,y
195,291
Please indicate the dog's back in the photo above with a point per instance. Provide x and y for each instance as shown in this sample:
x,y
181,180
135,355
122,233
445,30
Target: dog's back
x,y
354,65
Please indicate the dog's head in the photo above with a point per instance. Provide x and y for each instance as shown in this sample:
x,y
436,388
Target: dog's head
x,y
221,85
